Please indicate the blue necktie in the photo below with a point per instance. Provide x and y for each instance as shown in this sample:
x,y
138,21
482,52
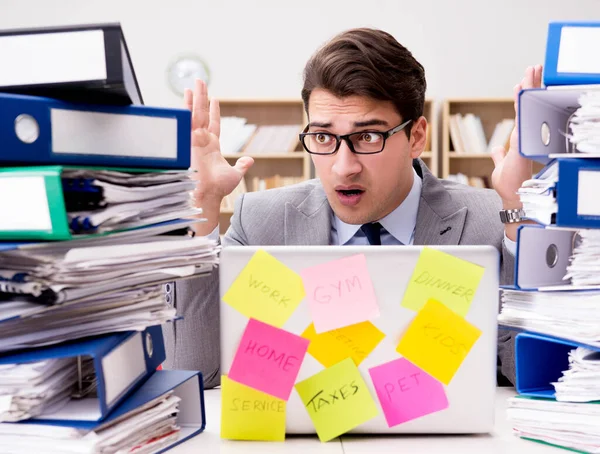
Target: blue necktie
x,y
373,232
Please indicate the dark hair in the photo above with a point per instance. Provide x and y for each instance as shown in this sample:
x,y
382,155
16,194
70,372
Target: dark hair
x,y
371,63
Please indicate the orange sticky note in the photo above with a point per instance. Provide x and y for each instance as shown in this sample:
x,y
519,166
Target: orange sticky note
x,y
355,341
266,289
438,340
248,414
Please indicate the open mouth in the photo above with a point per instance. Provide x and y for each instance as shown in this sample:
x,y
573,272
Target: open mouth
x,y
351,192
350,197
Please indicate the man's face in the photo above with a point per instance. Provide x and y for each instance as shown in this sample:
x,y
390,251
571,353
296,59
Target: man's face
x,y
364,188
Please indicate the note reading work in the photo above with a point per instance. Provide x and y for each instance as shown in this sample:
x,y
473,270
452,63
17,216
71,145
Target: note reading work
x,y
268,359
405,392
248,414
266,290
438,341
355,341
337,399
340,293
445,278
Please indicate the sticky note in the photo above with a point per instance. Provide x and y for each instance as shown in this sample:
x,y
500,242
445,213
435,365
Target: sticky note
x,y
445,278
266,290
438,341
248,414
355,341
340,293
405,392
337,399
268,359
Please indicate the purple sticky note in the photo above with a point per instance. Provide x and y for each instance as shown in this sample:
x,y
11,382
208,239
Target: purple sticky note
x,y
406,392
268,359
340,293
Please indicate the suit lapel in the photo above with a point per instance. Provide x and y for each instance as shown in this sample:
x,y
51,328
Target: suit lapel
x,y
440,219
308,223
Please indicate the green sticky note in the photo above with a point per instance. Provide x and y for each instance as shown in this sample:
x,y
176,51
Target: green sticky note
x,y
337,399
445,278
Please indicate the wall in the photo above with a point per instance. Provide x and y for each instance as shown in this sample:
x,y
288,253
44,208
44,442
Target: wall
x,y
258,48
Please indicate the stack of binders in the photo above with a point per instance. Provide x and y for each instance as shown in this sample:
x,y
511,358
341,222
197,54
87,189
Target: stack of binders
x,y
95,221
554,304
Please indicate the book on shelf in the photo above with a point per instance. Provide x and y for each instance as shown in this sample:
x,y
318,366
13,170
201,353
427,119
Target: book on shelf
x,y
239,136
475,181
468,136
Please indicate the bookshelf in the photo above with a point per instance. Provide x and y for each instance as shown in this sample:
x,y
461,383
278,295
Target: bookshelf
x,y
469,159
430,155
287,160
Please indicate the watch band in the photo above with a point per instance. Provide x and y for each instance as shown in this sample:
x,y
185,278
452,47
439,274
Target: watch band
x,y
512,216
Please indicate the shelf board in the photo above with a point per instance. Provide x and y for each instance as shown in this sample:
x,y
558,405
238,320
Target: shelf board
x,y
454,155
292,155
426,155
226,211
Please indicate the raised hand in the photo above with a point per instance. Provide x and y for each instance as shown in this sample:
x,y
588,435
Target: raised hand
x,y
512,169
216,177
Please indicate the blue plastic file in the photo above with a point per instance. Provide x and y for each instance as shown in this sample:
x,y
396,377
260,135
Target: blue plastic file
x,y
45,131
571,53
187,385
541,360
122,362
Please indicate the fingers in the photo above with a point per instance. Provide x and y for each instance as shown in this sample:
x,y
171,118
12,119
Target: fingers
x,y
200,138
200,106
243,164
528,79
537,76
214,122
498,154
188,99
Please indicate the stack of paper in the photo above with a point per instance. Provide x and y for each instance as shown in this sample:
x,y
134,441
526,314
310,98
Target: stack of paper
x,y
584,266
585,123
581,382
107,200
148,428
538,196
570,314
566,424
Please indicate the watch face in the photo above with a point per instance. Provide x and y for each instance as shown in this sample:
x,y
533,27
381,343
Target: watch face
x,y
184,71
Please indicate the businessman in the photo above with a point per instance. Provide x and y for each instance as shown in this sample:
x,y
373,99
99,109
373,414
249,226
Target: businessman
x,y
364,95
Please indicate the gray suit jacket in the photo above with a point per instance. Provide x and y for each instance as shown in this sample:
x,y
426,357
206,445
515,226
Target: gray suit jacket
x,y
301,215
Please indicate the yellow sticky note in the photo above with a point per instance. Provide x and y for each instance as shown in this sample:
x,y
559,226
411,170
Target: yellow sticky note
x,y
442,277
438,341
248,414
354,341
337,399
266,290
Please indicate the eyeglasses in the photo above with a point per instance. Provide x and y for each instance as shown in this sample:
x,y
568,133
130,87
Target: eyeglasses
x,y
363,142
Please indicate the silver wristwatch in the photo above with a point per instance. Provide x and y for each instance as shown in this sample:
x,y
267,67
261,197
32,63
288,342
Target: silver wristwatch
x,y
512,216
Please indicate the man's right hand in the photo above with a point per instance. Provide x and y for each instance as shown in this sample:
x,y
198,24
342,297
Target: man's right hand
x,y
216,177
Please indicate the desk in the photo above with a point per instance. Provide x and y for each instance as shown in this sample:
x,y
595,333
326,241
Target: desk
x,y
500,441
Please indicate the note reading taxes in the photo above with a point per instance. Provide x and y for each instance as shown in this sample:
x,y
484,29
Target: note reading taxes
x,y
405,392
268,359
438,341
266,290
248,414
445,278
340,293
337,399
355,341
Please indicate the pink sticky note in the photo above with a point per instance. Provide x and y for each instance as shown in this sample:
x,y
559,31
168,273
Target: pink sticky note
x,y
340,293
406,392
268,359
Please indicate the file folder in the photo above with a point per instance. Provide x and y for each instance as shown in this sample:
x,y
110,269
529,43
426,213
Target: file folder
x,y
43,131
121,361
84,63
540,360
575,192
36,209
571,53
544,114
187,385
542,257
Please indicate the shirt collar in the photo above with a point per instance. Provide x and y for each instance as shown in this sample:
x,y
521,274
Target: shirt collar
x,y
400,223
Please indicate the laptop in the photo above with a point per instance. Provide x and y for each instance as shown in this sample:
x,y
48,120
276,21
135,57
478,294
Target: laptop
x,y
471,392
